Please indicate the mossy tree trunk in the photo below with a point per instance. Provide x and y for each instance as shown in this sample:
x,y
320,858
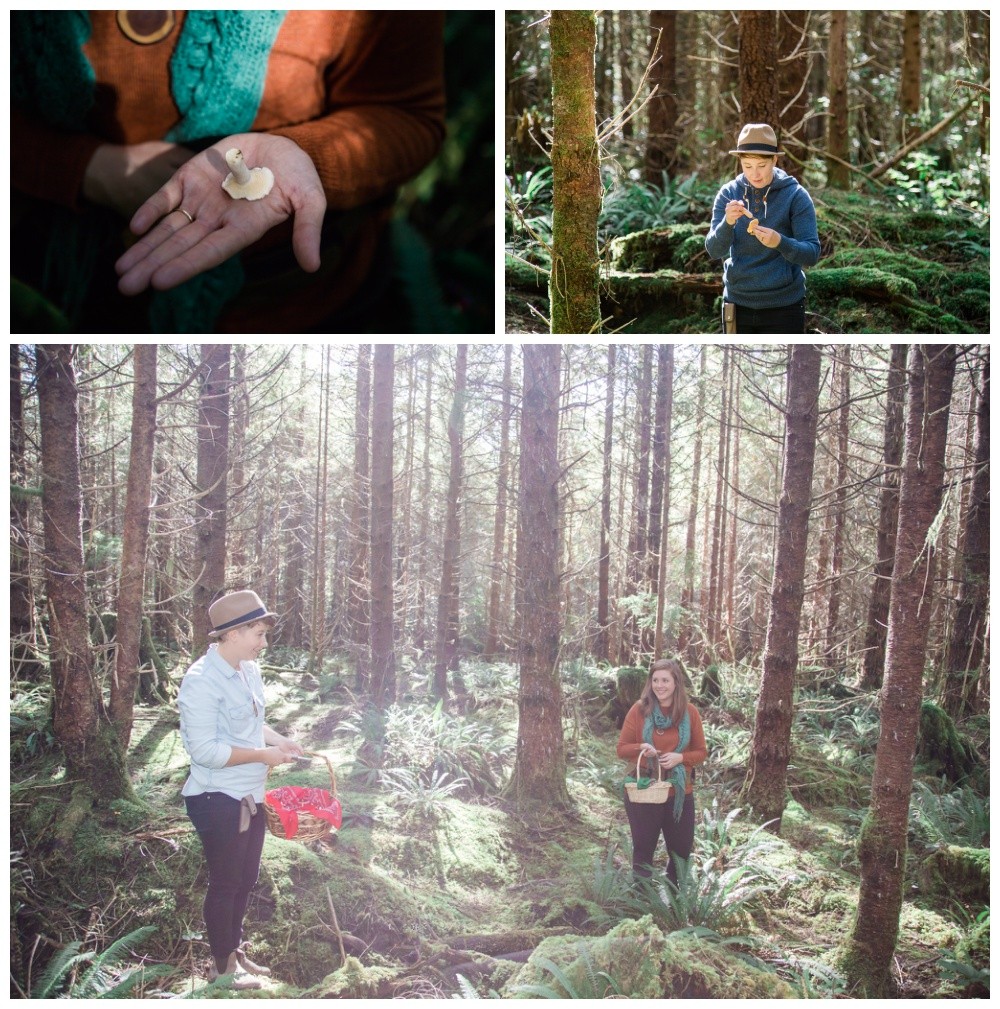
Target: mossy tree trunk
x,y
965,647
383,658
211,505
94,755
885,540
661,508
602,648
834,651
764,788
357,601
867,957
574,295
837,174
500,514
135,538
540,766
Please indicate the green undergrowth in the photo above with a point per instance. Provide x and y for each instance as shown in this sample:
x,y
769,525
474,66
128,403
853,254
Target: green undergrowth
x,y
430,894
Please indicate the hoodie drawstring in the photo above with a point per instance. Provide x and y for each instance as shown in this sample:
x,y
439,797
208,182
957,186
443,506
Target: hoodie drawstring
x,y
747,198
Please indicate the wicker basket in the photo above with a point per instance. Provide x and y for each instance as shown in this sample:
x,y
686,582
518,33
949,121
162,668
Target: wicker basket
x,y
311,827
658,791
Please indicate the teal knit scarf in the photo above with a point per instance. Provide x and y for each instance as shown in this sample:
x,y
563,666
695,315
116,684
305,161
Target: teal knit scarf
x,y
217,75
678,776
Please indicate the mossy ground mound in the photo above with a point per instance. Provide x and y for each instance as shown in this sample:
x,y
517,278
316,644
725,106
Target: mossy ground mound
x,y
884,269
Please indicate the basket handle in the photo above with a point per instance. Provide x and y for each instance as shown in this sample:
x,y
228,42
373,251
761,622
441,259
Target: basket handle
x,y
659,767
329,767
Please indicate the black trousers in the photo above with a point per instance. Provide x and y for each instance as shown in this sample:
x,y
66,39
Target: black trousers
x,y
233,866
648,820
787,319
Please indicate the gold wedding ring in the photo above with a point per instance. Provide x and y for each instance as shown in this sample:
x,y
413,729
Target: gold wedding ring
x,y
186,214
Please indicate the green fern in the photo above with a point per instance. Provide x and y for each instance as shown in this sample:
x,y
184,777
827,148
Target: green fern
x,y
594,984
106,977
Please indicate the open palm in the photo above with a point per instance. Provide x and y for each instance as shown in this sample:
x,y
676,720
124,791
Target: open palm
x,y
176,249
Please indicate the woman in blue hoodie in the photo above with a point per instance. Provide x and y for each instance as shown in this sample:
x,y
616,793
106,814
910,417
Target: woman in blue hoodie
x,y
764,227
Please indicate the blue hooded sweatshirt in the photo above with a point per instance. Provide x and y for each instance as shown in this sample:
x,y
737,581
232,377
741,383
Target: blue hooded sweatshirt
x,y
753,275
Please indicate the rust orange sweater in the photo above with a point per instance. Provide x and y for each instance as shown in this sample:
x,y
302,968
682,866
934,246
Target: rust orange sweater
x,y
361,92
630,740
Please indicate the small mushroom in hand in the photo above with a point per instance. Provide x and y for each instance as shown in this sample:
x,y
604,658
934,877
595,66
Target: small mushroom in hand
x,y
752,226
244,183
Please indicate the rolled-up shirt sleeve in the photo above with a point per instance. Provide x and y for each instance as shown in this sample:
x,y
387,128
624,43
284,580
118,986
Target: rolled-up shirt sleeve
x,y
199,705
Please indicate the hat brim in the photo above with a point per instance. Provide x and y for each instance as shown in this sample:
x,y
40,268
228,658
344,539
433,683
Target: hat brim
x,y
759,153
270,618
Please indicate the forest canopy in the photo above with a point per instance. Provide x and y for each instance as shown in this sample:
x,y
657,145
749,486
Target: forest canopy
x,y
883,116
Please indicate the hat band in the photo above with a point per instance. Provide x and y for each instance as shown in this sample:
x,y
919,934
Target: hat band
x,y
755,148
259,612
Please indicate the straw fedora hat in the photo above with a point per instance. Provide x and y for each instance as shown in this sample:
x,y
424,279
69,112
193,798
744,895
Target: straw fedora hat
x,y
235,610
757,138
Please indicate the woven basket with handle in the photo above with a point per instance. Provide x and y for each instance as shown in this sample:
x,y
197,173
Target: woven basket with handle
x,y
311,827
657,791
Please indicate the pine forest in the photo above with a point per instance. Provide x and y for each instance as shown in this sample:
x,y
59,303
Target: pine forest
x,y
619,128
475,552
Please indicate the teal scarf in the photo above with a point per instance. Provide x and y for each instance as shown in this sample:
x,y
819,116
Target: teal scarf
x,y
678,776
217,75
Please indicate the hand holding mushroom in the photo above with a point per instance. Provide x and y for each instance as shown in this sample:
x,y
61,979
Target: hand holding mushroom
x,y
193,224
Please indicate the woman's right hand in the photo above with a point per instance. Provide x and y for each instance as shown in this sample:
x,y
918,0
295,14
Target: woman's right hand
x,y
734,211
647,750
273,755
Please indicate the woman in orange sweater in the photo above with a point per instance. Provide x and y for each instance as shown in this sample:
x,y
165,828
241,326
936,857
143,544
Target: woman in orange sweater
x,y
663,726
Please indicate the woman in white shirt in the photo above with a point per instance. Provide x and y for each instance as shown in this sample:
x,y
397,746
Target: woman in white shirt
x,y
221,703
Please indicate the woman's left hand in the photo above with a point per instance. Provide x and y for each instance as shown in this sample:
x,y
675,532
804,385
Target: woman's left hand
x,y
668,761
290,747
767,236
174,249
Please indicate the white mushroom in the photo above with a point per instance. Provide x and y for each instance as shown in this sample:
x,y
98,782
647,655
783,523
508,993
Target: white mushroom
x,y
244,183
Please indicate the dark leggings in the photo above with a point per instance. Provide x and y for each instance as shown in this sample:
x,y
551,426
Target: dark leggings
x,y
787,319
233,866
648,821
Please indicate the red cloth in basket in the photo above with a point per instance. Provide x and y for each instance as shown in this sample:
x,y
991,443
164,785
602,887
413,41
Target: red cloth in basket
x,y
290,800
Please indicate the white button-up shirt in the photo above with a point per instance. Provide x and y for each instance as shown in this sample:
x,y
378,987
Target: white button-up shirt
x,y
222,708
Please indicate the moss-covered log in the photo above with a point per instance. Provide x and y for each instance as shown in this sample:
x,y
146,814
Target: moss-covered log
x,y
959,872
940,744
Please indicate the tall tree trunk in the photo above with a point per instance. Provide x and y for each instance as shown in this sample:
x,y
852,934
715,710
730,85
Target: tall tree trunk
x,y
885,542
637,541
500,513
448,598
576,178
357,607
603,647
835,650
661,436
837,174
690,553
764,787
625,50
134,540
420,639
965,647
758,67
244,571
667,366
867,959
713,628
734,481
94,755
24,663
909,98
317,632
539,773
383,658
793,88
661,144
210,507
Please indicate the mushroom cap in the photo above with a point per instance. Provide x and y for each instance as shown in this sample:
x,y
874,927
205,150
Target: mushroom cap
x,y
261,181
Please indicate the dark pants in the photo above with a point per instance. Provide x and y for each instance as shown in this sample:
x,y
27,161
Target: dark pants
x,y
788,319
233,866
648,821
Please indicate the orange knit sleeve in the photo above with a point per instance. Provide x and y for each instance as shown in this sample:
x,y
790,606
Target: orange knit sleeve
x,y
697,751
630,737
385,96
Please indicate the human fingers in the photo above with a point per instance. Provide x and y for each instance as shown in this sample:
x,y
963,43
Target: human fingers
x,y
211,249
307,229
174,235
165,200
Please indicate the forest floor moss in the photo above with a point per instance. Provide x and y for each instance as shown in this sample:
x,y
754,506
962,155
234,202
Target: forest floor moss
x,y
421,895
883,269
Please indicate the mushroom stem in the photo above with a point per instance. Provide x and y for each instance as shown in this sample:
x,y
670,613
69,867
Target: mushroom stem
x,y
234,158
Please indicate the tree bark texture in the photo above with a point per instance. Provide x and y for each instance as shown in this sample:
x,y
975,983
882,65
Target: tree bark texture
x,y
210,508
667,367
603,647
764,788
357,607
690,554
574,294
867,960
713,624
383,659
793,88
448,597
500,514
661,144
93,753
834,651
661,436
21,604
540,765
758,67
837,174
885,540
909,99
965,647
135,539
